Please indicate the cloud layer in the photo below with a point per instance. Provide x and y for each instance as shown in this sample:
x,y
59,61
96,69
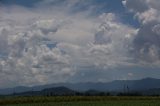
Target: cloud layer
x,y
146,46
55,41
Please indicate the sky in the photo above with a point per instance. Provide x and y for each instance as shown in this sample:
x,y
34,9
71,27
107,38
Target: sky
x,y
53,41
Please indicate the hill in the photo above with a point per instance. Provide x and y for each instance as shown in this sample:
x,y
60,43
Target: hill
x,y
117,86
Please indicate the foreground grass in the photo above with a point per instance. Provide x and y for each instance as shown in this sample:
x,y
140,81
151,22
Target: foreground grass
x,y
96,103
80,101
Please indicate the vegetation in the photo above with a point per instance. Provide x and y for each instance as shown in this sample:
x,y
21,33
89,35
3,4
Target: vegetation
x,y
96,103
81,101
62,96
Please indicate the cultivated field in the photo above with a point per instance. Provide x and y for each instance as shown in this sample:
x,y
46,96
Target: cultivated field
x,y
80,101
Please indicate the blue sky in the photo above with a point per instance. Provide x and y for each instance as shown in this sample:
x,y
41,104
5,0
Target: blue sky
x,y
51,41
115,6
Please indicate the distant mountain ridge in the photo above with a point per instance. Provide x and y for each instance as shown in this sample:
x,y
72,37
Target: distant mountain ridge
x,y
58,91
117,85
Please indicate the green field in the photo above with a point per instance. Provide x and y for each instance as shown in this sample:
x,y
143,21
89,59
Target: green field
x,y
96,103
80,101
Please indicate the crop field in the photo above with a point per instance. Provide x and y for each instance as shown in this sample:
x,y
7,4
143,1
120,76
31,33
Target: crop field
x,y
80,101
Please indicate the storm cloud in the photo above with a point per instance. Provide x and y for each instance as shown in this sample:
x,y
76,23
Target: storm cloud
x,y
146,46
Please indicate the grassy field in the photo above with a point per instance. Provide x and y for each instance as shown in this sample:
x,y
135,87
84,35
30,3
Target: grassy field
x,y
95,103
80,101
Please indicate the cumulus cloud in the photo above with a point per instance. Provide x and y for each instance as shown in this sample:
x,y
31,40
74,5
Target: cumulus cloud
x,y
51,43
146,43
25,53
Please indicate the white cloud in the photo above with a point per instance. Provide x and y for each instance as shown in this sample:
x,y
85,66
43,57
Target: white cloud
x,y
156,29
148,16
145,10
146,47
47,44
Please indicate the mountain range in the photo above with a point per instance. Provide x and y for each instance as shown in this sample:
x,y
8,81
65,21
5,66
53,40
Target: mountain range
x,y
146,84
